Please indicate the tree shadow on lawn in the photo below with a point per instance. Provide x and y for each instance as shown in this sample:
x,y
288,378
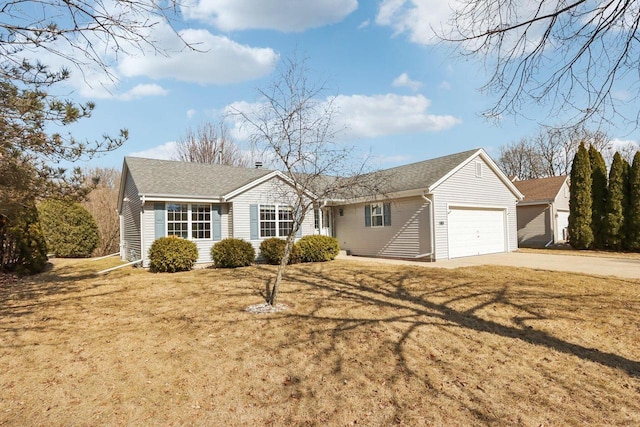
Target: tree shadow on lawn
x,y
435,304
30,293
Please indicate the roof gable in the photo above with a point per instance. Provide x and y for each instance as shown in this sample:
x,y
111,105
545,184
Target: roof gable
x,y
542,189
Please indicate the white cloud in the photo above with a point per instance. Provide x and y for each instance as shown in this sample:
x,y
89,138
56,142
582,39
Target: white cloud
x,y
218,60
403,80
364,24
444,85
380,115
280,15
363,116
418,18
165,151
143,90
190,113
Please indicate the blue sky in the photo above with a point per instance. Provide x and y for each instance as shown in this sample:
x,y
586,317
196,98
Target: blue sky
x,y
402,97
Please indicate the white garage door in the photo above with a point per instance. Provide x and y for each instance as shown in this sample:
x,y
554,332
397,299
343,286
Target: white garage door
x,y
474,231
562,225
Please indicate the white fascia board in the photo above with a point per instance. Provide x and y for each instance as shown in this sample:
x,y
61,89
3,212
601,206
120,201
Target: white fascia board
x,y
481,153
123,177
379,197
180,199
535,202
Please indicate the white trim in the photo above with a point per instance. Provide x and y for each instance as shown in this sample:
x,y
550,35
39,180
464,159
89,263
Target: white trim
x,y
261,180
180,199
505,179
505,221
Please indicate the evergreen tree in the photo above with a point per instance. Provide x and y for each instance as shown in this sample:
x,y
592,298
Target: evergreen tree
x,y
598,197
632,216
580,233
616,202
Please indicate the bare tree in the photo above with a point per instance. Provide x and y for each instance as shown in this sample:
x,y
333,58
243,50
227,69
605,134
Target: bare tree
x,y
294,128
102,203
565,55
211,144
549,153
80,31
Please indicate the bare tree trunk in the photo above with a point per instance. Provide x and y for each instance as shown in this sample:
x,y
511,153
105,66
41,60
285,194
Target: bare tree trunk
x,y
272,293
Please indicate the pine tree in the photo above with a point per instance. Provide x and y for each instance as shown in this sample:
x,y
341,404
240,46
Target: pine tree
x,y
580,233
616,201
632,216
598,197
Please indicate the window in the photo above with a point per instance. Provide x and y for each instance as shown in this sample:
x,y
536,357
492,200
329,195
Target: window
x,y
377,215
275,220
201,221
178,220
192,221
268,221
285,220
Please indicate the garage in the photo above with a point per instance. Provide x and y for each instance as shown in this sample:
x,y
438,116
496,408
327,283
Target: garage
x,y
476,231
561,226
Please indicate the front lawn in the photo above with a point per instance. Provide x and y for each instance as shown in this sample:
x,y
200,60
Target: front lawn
x,y
361,344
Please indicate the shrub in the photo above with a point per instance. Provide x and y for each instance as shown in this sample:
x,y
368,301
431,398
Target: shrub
x,y
272,250
22,245
171,254
69,229
232,253
318,248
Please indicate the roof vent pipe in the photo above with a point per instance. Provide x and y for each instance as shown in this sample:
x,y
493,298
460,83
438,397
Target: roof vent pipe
x,y
258,165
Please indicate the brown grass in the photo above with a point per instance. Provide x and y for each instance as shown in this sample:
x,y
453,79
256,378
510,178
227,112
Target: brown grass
x,y
360,344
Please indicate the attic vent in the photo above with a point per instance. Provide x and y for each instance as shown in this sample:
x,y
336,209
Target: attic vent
x,y
479,169
258,165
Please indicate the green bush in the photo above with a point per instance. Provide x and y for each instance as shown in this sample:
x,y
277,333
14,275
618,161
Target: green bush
x,y
171,254
272,251
69,229
318,248
232,253
23,248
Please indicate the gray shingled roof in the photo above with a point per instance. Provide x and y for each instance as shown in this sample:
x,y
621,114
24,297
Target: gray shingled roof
x,y
419,175
173,178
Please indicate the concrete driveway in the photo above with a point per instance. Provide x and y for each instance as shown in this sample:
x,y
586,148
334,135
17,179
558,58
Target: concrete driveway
x,y
601,266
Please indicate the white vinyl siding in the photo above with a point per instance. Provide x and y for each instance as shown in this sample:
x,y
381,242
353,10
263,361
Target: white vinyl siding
x,y
464,187
272,192
130,240
406,237
203,245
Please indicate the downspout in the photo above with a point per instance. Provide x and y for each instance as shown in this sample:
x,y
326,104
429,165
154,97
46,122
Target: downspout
x,y
551,224
142,200
431,236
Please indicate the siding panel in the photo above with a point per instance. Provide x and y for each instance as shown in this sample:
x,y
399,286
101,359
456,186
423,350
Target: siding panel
x,y
273,191
407,237
131,244
465,187
534,228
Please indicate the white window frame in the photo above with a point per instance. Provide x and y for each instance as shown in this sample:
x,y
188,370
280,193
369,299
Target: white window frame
x,y
190,221
278,221
372,208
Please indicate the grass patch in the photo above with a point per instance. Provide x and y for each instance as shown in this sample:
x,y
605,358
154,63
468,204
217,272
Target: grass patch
x,y
363,344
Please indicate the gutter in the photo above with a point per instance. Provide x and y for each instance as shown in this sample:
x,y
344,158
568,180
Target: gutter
x,y
431,236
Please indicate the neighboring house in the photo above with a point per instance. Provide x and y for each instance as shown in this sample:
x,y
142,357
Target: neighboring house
x,y
203,203
543,214
453,206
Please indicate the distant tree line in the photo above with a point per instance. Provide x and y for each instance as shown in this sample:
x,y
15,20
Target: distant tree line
x,y
604,211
